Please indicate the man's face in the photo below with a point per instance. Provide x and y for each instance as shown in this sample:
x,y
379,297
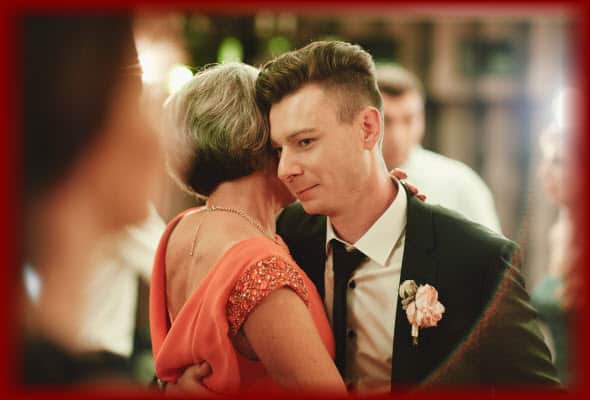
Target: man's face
x,y
555,172
322,160
404,126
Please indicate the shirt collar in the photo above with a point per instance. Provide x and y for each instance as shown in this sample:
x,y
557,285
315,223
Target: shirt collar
x,y
378,242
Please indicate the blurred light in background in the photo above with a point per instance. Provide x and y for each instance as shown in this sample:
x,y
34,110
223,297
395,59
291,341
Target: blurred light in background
x,y
558,107
278,45
264,23
158,61
178,75
32,283
230,50
564,107
148,59
287,22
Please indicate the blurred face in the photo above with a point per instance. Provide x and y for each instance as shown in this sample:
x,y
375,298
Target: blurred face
x,y
320,157
404,126
554,172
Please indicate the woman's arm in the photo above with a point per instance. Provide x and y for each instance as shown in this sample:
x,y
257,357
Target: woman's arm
x,y
283,335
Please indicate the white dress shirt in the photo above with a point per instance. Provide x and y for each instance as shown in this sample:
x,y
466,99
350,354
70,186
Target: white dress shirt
x,y
108,320
372,303
452,184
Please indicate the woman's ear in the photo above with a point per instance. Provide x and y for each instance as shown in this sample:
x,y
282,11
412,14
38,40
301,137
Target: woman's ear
x,y
370,122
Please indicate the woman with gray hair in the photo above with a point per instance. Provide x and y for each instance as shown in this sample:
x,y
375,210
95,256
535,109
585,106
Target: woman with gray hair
x,y
224,287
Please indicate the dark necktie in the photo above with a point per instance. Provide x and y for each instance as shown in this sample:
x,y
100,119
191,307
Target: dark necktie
x,y
344,264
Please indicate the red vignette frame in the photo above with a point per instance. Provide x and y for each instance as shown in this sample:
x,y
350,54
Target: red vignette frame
x,y
11,159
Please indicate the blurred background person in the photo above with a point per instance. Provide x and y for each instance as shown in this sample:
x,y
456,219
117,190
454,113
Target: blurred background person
x,y
553,294
90,167
444,181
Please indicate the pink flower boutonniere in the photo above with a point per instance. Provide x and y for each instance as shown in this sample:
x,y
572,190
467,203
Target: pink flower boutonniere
x,y
422,306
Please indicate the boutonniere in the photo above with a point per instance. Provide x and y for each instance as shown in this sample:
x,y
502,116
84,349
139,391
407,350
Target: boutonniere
x,y
421,305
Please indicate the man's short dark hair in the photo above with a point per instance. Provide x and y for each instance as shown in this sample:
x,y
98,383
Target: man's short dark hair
x,y
343,67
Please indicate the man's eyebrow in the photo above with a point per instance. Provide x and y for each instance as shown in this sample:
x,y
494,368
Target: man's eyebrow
x,y
292,136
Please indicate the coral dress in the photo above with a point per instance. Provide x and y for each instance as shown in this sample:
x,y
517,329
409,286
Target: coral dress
x,y
203,329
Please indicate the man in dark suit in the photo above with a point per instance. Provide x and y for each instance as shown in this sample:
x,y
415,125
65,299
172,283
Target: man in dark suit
x,y
325,116
488,333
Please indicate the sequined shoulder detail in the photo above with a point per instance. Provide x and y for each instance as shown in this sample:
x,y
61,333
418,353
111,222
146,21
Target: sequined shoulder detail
x,y
257,282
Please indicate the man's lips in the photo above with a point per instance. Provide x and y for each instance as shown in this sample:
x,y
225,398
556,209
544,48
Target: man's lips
x,y
302,191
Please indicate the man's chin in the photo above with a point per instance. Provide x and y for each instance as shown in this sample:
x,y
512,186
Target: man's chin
x,y
311,208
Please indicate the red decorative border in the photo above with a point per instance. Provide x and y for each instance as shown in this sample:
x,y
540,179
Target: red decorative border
x,y
11,160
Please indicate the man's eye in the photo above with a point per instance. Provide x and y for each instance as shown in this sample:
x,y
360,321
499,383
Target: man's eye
x,y
305,142
278,150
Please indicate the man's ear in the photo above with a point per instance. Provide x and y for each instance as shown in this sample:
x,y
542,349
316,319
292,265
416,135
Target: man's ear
x,y
370,122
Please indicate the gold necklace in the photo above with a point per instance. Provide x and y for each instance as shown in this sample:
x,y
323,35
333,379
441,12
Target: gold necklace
x,y
236,211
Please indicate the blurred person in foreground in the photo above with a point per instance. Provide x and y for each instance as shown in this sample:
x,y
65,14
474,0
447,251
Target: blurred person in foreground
x,y
91,164
447,182
224,286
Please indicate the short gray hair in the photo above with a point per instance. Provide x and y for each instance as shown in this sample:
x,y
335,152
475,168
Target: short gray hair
x,y
216,129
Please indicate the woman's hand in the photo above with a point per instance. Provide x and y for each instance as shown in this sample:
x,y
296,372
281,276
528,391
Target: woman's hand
x,y
190,382
399,174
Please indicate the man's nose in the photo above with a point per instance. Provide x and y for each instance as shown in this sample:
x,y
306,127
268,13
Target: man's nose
x,y
289,167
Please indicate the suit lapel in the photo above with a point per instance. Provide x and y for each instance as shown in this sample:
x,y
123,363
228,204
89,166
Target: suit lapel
x,y
410,363
305,235
317,254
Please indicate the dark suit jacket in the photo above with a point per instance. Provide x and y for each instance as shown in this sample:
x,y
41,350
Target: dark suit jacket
x,y
488,333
